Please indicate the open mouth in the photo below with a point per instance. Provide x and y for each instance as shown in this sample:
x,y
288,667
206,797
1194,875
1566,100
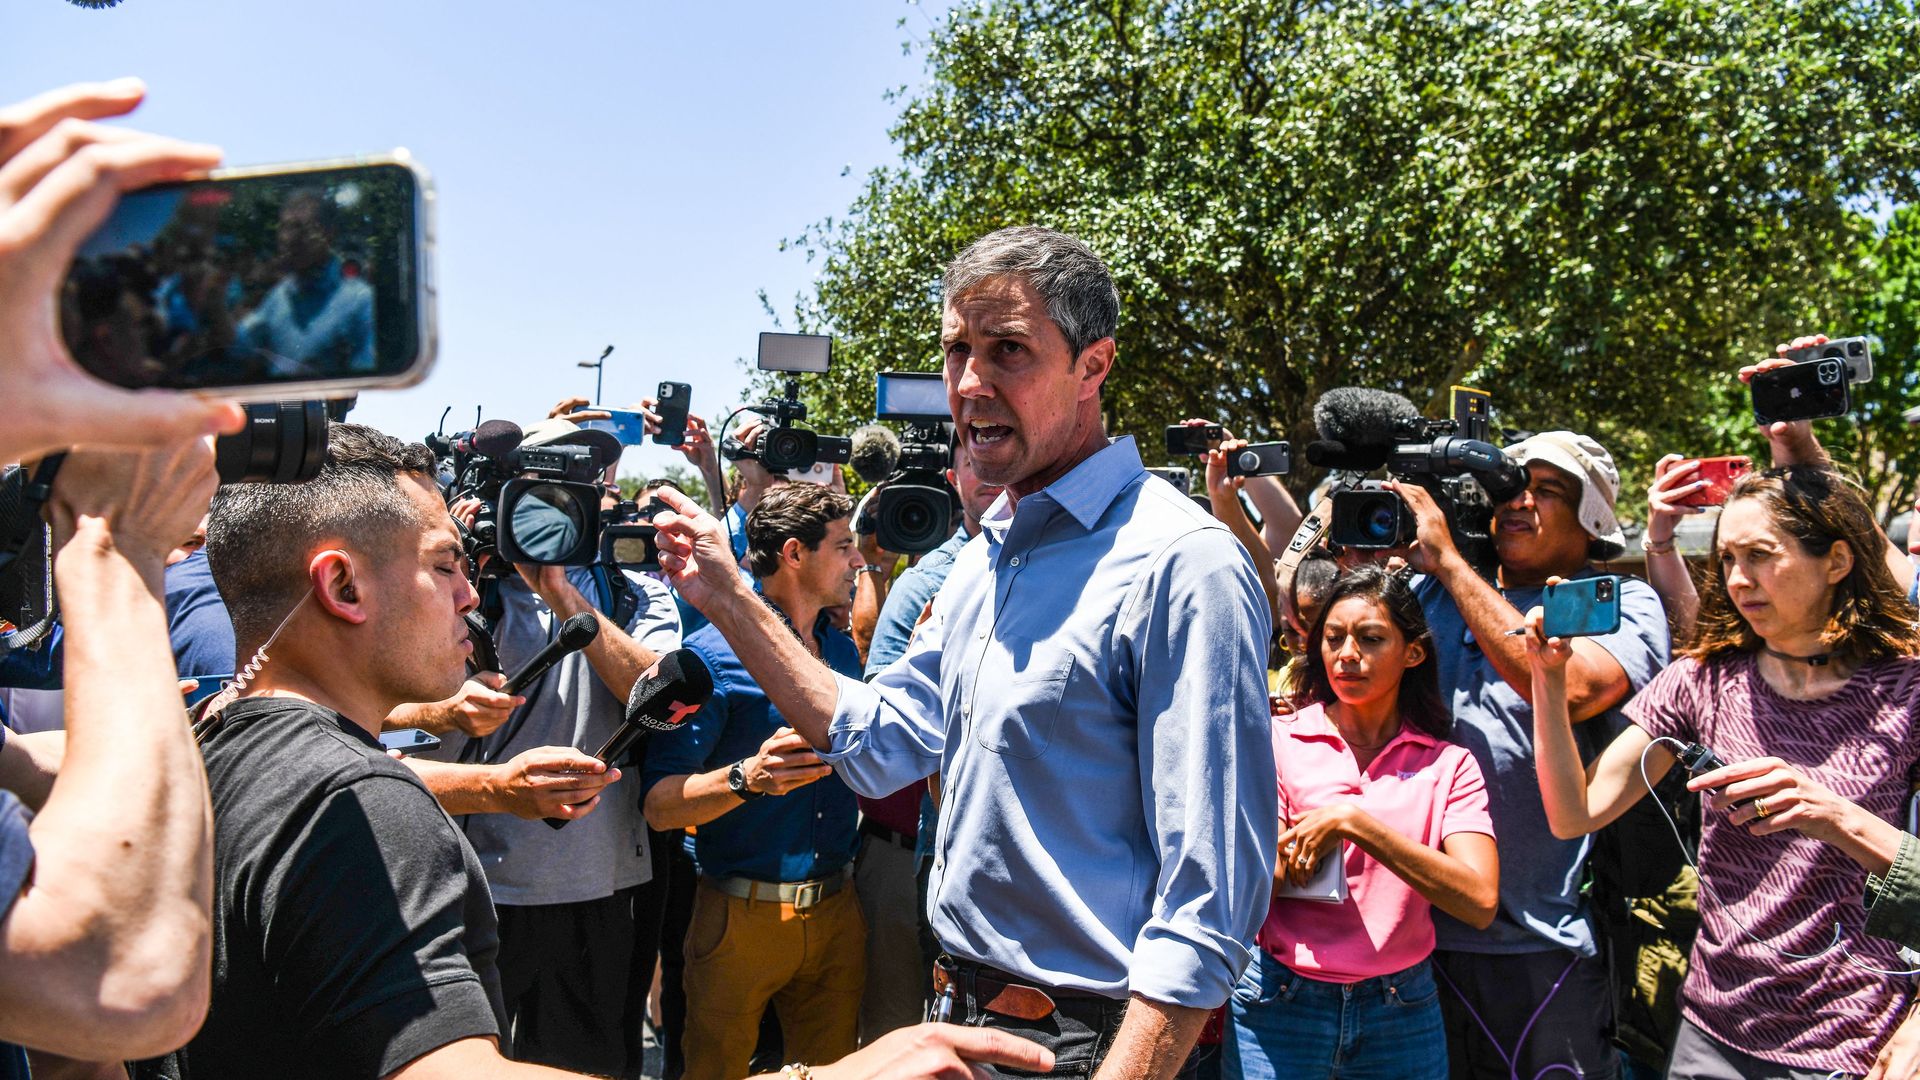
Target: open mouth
x,y
985,434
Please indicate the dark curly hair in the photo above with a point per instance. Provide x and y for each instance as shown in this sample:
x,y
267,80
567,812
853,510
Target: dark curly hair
x,y
1816,506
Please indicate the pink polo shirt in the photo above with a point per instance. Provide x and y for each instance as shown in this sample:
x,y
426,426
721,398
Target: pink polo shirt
x,y
1419,786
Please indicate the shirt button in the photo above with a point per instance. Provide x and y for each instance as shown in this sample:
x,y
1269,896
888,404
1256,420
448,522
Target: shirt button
x,y
1015,561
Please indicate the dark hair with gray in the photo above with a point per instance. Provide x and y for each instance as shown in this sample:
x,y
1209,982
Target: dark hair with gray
x,y
1069,277
259,536
799,511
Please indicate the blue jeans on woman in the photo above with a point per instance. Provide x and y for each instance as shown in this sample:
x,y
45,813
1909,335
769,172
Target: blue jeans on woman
x,y
1284,1024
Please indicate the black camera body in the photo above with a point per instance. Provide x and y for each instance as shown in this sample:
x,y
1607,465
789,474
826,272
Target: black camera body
x,y
540,505
628,538
1466,476
784,446
913,513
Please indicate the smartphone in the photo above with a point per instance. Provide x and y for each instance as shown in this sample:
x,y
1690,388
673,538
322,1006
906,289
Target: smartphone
x,y
209,686
1720,473
796,353
1180,478
670,404
409,740
1586,607
1193,438
311,280
1811,391
1854,351
1261,459
626,425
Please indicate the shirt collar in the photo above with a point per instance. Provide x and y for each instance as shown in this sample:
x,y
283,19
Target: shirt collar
x,y
1086,491
1313,722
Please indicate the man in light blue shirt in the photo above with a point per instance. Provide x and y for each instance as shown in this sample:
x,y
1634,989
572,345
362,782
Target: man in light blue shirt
x,y
1091,685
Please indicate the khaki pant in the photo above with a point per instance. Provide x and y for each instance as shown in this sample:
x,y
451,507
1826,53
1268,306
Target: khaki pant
x,y
743,955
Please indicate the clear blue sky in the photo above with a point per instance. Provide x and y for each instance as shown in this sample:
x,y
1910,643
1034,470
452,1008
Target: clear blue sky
x,y
609,171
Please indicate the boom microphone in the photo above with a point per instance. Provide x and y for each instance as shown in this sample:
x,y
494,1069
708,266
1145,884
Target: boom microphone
x,y
576,633
876,452
663,698
1360,418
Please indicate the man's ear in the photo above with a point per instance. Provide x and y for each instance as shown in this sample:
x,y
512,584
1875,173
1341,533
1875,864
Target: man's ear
x,y
1096,361
790,552
336,586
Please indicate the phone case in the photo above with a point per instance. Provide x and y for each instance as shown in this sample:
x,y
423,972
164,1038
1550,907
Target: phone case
x,y
1811,391
1722,473
629,427
671,403
1586,607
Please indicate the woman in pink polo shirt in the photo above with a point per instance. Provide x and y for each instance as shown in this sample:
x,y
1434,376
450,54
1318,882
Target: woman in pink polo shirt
x,y
1340,984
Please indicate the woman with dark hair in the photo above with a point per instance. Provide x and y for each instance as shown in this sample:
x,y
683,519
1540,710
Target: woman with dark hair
x,y
1341,984
1804,654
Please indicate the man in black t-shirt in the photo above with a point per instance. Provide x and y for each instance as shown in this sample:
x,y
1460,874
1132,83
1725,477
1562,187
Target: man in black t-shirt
x,y
354,936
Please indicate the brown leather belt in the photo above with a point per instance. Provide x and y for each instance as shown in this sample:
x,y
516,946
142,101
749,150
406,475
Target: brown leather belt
x,y
996,992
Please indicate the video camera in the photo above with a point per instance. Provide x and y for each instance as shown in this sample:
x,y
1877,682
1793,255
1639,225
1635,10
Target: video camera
x,y
540,505
784,447
912,510
628,539
1361,430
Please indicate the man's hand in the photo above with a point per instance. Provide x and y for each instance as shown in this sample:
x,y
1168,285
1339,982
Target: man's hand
x,y
1433,546
574,410
549,581
1792,442
137,502
785,762
695,553
477,710
60,175
872,552
937,1052
551,782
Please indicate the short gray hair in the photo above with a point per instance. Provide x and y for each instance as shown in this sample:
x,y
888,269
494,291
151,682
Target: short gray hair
x,y
1069,277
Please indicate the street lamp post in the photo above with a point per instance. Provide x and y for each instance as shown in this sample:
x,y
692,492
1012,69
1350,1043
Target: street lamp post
x,y
599,370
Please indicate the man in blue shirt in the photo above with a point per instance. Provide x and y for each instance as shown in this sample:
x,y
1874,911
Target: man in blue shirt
x,y
1529,994
775,920
1091,686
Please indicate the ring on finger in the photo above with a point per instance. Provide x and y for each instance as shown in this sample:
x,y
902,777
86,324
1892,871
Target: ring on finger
x,y
1760,808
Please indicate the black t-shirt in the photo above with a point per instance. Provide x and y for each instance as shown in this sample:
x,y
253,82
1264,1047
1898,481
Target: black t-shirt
x,y
353,930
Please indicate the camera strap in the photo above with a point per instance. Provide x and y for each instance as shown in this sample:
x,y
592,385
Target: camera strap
x,y
26,554
1312,528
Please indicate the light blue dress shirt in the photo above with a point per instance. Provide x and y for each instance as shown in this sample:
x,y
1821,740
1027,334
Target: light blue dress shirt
x,y
1092,687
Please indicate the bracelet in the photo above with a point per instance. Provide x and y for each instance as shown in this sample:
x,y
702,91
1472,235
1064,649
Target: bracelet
x,y
1664,547
875,568
796,1071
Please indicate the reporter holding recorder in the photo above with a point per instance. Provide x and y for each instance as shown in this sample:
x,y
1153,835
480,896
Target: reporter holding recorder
x,y
1090,685
1805,652
1367,778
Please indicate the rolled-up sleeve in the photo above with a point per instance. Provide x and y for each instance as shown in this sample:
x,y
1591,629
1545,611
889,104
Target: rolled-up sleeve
x,y
890,732
1198,630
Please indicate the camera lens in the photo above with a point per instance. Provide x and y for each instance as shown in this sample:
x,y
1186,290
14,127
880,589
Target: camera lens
x,y
787,448
283,443
911,517
1378,520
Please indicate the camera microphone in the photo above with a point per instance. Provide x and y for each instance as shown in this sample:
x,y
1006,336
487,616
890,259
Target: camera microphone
x,y
1328,454
875,453
494,438
575,634
1360,418
664,697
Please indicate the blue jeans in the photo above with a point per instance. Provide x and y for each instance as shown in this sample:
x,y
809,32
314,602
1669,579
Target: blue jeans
x,y
1284,1024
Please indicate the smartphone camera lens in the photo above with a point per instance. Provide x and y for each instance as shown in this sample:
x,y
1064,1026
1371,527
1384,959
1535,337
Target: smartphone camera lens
x,y
1603,591
1829,373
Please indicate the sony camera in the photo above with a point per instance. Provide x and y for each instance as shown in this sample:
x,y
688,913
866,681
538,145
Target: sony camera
x,y
628,539
540,505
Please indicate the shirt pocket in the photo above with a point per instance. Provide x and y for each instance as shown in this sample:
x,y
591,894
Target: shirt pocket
x,y
1023,707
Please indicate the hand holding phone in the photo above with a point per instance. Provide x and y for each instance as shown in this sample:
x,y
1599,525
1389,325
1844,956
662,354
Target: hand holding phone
x,y
1811,391
1719,474
1193,439
671,406
1583,607
409,740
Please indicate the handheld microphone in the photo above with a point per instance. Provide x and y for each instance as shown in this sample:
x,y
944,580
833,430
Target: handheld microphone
x,y
875,453
664,697
575,634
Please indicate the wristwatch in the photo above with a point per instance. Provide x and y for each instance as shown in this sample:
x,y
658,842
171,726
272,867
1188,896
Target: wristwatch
x,y
874,568
737,782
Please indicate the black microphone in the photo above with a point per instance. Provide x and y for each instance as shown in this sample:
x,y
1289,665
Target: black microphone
x,y
495,438
1359,417
664,697
875,453
575,634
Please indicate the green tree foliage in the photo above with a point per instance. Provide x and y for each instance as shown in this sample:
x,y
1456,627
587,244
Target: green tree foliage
x,y
1596,209
685,477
